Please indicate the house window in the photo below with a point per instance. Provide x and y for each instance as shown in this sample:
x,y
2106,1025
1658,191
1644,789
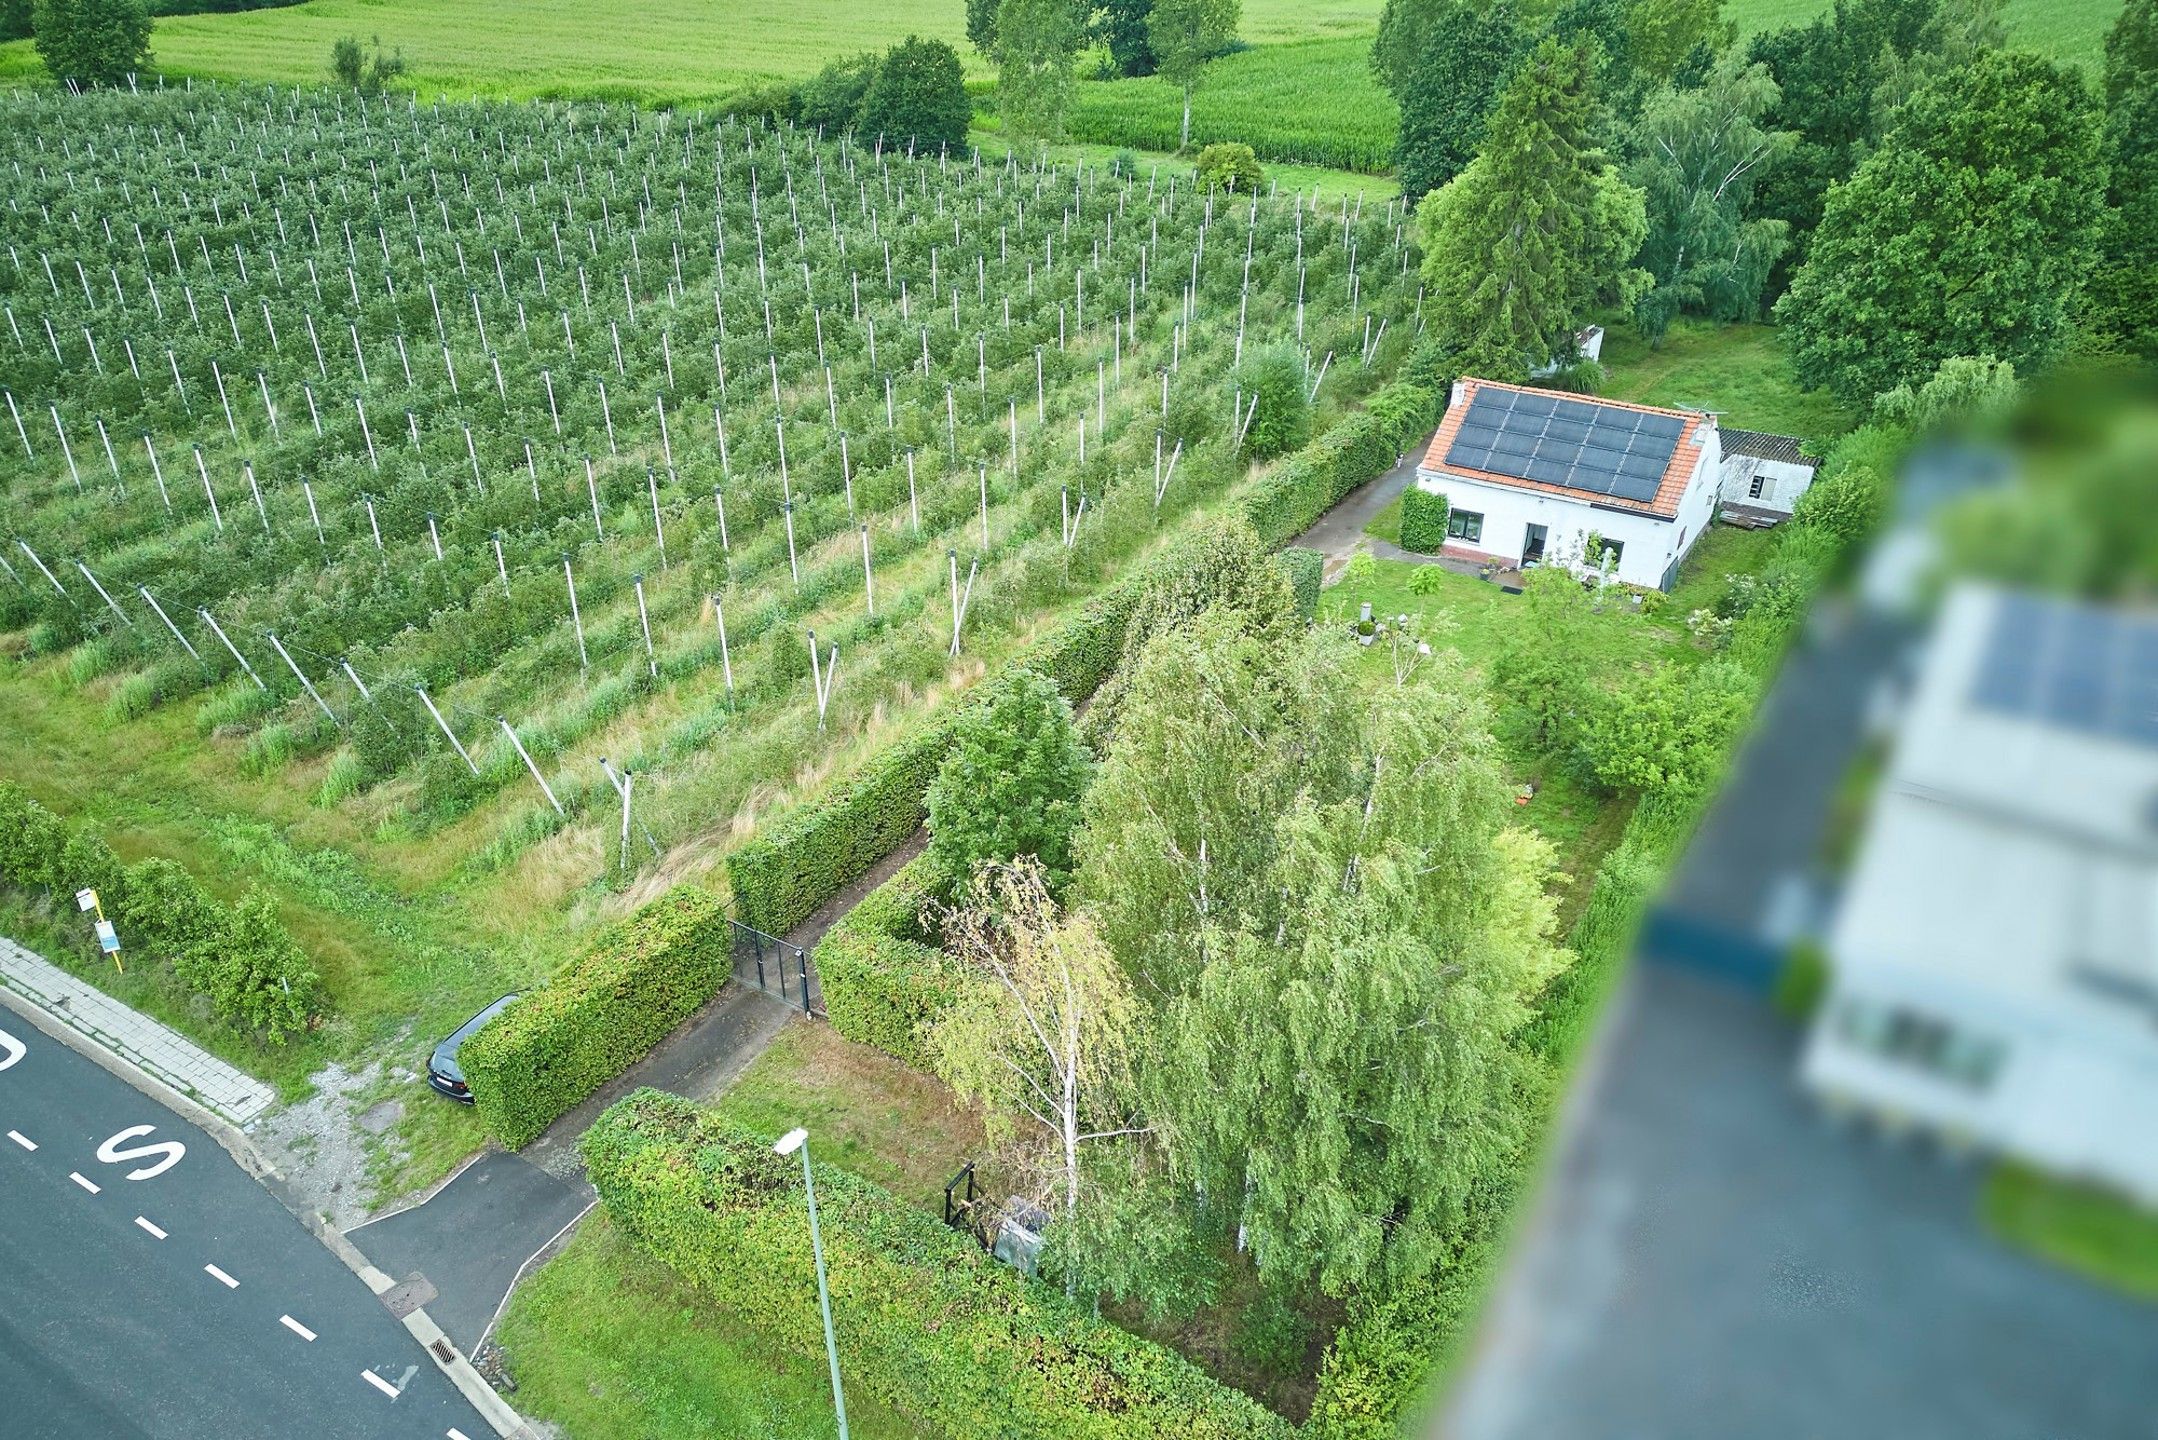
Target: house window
x,y
1753,491
1907,1037
1464,525
1604,547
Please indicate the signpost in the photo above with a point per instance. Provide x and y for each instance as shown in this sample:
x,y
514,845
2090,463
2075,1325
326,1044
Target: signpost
x,y
108,939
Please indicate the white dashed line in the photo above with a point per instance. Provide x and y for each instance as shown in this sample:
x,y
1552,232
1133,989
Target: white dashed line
x,y
457,1434
21,1139
216,1274
83,1180
295,1327
379,1383
149,1227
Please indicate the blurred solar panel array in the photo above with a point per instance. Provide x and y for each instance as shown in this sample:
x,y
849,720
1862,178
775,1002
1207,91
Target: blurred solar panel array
x,y
2073,667
1602,449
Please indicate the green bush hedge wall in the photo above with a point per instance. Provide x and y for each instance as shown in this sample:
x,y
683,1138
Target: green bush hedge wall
x,y
884,979
1423,520
636,981
1306,570
925,1321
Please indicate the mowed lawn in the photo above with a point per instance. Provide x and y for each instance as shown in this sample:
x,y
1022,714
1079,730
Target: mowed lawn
x,y
1742,372
2063,29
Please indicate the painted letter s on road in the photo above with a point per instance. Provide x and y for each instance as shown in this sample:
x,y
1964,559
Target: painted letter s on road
x,y
113,1152
11,1050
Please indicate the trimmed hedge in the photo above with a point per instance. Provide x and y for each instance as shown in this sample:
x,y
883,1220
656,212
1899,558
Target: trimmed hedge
x,y
885,981
780,877
637,980
1300,489
1424,514
1306,570
925,1321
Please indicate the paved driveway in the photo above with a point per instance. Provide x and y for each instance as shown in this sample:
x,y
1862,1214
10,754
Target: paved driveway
x,y
1712,1258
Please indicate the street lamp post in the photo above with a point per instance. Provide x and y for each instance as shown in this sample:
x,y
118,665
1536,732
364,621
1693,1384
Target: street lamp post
x,y
792,1141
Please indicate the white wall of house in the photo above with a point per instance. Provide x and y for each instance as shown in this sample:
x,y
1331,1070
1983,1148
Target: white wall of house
x,y
1649,544
1780,482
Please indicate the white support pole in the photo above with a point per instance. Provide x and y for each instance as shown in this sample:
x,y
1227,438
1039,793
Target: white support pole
x,y
100,589
300,675
523,755
49,576
307,488
248,467
219,631
203,470
151,601
869,583
719,502
659,529
794,565
914,504
501,567
357,683
961,597
823,675
591,486
584,661
644,618
447,732
726,661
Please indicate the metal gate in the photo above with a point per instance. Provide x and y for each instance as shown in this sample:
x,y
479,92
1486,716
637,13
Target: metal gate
x,y
775,967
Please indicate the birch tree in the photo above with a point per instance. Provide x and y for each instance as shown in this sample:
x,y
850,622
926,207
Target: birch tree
x,y
1043,1031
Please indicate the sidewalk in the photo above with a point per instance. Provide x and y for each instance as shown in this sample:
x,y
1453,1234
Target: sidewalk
x,y
158,1050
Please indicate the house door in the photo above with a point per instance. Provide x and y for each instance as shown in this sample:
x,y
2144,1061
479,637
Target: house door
x,y
1532,549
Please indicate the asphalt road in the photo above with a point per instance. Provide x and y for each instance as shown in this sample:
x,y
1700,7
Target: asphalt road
x,y
150,1288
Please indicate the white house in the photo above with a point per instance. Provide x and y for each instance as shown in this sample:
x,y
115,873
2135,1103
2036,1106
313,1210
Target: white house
x,y
1995,958
1763,475
1532,474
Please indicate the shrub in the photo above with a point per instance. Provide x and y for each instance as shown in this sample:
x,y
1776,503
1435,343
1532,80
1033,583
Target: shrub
x,y
1010,783
1273,379
368,74
1229,167
1306,570
930,1324
918,98
1424,514
636,981
831,101
92,42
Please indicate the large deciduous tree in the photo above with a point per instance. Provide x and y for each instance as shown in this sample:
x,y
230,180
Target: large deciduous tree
x,y
1035,45
1966,233
1315,885
1184,35
1119,26
1457,63
1539,227
2124,286
1700,155
919,97
92,42
1011,783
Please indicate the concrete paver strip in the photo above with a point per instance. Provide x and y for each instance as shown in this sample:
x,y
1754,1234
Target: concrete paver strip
x,y
158,1049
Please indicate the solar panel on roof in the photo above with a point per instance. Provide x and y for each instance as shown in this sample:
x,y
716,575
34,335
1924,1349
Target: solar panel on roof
x,y
1558,440
2073,667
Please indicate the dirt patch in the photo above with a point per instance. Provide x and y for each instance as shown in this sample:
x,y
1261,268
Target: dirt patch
x,y
324,1146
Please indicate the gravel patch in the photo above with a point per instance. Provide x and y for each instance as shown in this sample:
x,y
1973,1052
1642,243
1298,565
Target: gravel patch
x,y
321,1146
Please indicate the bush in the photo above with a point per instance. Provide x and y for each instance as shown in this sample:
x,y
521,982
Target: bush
x,y
368,74
885,984
92,42
636,981
14,19
238,957
831,101
1307,484
1306,570
1276,389
1229,167
1010,783
918,98
929,1324
1424,514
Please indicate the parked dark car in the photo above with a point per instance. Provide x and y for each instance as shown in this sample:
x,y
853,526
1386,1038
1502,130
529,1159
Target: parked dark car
x,y
443,1072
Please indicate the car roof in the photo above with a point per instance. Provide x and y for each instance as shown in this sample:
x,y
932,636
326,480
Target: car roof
x,y
465,1031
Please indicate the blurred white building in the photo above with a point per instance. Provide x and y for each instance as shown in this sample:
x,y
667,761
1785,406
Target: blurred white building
x,y
1995,959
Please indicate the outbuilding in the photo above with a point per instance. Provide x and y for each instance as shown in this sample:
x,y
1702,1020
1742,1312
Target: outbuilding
x,y
1763,475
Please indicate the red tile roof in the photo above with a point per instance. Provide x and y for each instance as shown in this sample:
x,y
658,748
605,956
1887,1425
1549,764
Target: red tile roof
x,y
1670,490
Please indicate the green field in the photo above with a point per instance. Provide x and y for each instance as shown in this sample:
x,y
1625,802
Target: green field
x,y
1314,103
1739,371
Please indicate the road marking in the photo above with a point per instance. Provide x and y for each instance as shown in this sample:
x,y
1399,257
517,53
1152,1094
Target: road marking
x,y
83,1180
379,1383
216,1274
149,1227
457,1434
295,1327
21,1139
